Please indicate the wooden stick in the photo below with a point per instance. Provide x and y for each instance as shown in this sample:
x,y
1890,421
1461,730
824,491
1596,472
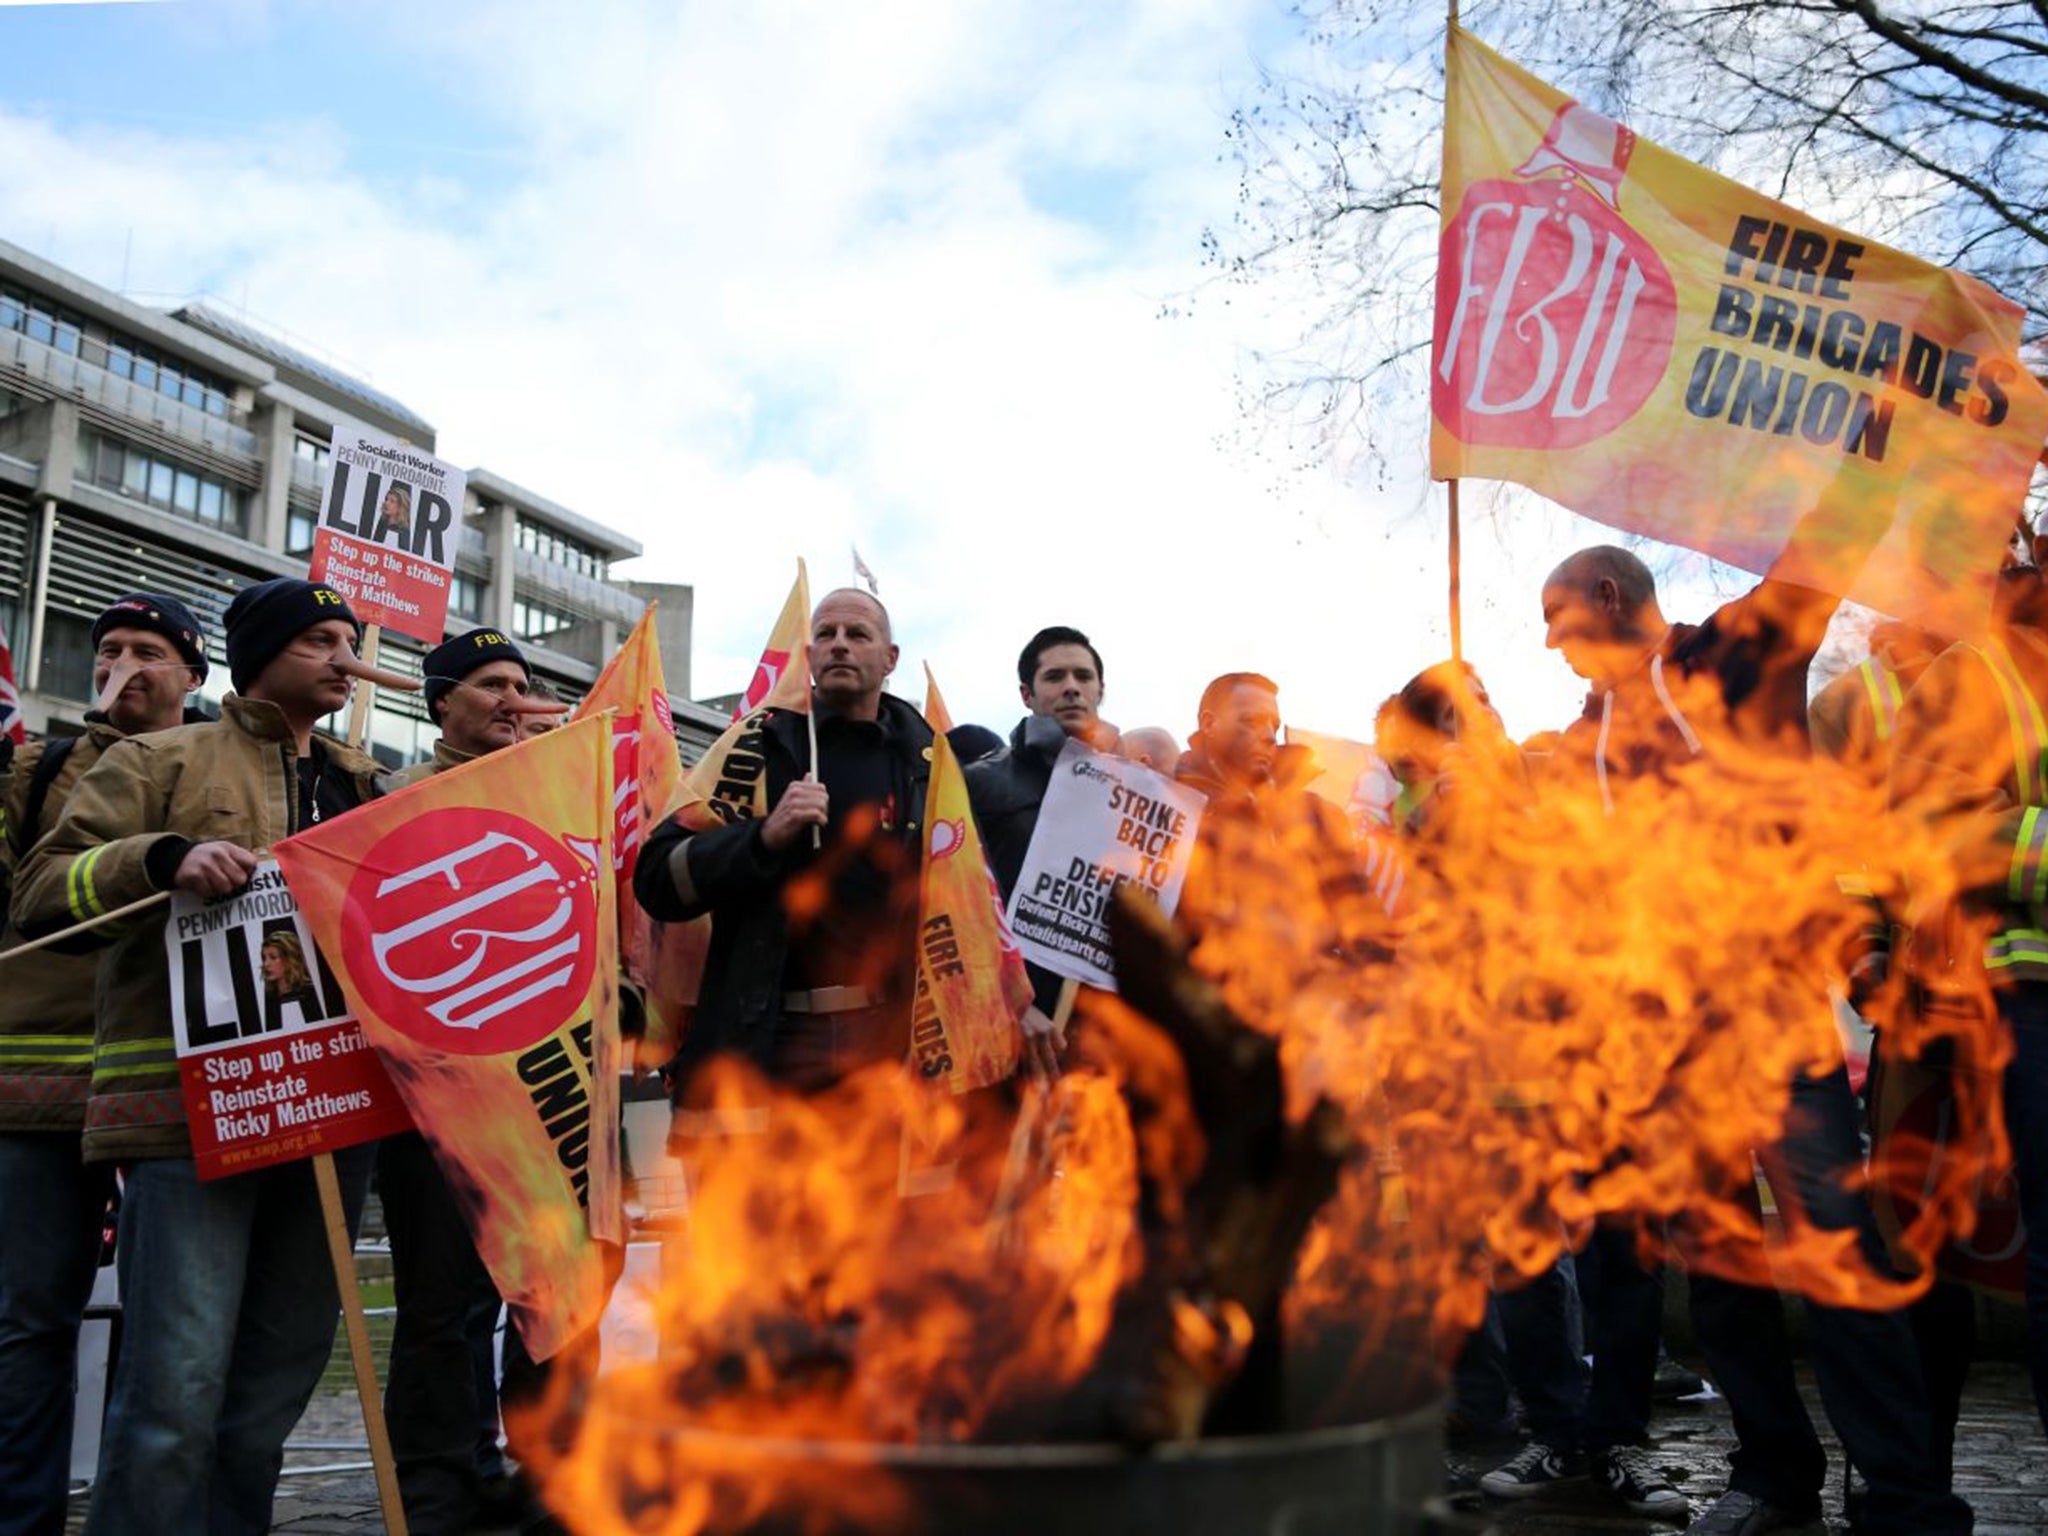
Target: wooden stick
x,y
1457,552
81,927
1063,1006
339,1248
359,706
342,1252
811,727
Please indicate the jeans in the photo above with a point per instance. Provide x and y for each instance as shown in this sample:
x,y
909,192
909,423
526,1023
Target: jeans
x,y
430,1398
1479,1379
1866,1362
1568,1409
481,1328
52,1207
229,1316
2025,1008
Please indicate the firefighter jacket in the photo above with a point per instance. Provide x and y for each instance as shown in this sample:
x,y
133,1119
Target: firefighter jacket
x,y
1968,760
46,1002
129,823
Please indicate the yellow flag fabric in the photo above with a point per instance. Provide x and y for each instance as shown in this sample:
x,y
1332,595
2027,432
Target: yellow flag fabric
x,y
647,769
782,677
729,783
971,983
470,921
1673,354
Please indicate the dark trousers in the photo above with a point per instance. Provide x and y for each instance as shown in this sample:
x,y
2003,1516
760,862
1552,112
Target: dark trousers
x,y
430,1400
2025,1008
52,1209
1866,1362
1479,1379
1567,1408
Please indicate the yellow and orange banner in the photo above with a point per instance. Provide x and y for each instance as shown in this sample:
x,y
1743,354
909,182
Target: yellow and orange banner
x,y
470,919
782,677
646,771
730,781
971,984
1670,353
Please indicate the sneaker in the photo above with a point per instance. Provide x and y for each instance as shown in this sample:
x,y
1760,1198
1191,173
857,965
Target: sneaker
x,y
1674,1382
1535,1468
1629,1476
1744,1514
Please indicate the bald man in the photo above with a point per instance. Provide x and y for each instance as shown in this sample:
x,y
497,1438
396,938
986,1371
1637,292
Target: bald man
x,y
811,965
1702,704
1153,746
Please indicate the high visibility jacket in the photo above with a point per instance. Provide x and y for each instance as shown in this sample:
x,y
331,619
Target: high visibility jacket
x,y
46,999
129,821
1855,717
1968,756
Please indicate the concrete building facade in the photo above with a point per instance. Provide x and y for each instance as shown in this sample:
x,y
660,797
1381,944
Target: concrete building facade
x,y
185,452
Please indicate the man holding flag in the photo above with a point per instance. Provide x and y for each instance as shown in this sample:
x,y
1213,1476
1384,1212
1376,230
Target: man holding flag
x,y
1675,355
809,866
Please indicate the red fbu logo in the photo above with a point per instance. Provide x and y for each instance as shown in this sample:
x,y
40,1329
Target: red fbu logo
x,y
477,931
1554,317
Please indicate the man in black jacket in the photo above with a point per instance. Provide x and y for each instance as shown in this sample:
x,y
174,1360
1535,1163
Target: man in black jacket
x,y
1686,705
811,965
1059,677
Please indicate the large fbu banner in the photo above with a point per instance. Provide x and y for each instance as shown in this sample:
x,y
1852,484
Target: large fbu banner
x,y
1662,349
470,920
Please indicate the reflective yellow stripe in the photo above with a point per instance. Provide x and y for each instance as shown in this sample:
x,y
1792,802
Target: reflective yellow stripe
x,y
130,1047
46,1059
2022,851
2018,946
79,891
109,1074
1882,685
83,1038
2023,714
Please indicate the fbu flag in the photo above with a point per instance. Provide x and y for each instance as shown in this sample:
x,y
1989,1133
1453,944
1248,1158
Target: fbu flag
x,y
1662,349
470,920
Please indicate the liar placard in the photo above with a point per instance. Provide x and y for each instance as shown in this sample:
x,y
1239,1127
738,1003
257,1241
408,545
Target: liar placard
x,y
272,1063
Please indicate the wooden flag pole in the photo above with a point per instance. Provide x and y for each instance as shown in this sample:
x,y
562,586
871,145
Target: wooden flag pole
x,y
811,726
366,691
340,1247
1457,556
104,918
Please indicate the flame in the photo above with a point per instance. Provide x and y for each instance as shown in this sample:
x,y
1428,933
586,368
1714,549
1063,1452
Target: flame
x,y
1594,1013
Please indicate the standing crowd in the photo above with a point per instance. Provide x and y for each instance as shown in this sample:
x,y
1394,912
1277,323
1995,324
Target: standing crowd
x,y
228,1298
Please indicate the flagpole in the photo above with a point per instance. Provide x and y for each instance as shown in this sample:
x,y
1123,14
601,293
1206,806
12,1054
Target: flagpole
x,y
1457,540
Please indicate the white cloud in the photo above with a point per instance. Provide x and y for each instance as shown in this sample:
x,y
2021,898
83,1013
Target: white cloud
x,y
768,281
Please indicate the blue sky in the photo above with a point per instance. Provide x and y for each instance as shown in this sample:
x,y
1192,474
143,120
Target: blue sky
x,y
753,282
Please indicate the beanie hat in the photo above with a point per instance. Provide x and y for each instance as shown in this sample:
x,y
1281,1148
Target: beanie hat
x,y
452,660
161,615
265,618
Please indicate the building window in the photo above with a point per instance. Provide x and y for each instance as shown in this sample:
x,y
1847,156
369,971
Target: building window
x,y
171,487
299,529
551,544
310,450
536,621
121,355
466,596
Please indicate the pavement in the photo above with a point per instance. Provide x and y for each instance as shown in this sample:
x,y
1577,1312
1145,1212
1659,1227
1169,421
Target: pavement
x,y
2001,1468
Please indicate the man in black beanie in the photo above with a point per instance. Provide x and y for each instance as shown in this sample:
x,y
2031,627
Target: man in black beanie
x,y
53,1205
434,1400
473,684
228,1298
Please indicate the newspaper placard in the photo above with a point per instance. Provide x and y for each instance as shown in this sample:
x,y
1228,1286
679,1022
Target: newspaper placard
x,y
1105,822
272,1063
388,532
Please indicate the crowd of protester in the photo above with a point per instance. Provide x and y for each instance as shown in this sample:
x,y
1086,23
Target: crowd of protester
x,y
227,1294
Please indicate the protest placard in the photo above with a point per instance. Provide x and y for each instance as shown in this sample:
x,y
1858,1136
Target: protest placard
x,y
273,1065
388,532
1105,822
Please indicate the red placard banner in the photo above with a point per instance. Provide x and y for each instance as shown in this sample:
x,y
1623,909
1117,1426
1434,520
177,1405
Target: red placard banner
x,y
389,526
273,1065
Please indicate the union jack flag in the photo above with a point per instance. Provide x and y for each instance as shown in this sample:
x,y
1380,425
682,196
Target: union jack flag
x,y
12,725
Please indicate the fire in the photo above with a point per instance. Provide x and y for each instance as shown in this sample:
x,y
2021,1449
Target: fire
x,y
1593,1014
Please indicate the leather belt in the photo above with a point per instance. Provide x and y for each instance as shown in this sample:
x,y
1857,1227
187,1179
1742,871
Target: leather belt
x,y
829,1000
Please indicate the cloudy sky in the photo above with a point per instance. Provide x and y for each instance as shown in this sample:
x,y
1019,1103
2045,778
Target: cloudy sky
x,y
767,280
